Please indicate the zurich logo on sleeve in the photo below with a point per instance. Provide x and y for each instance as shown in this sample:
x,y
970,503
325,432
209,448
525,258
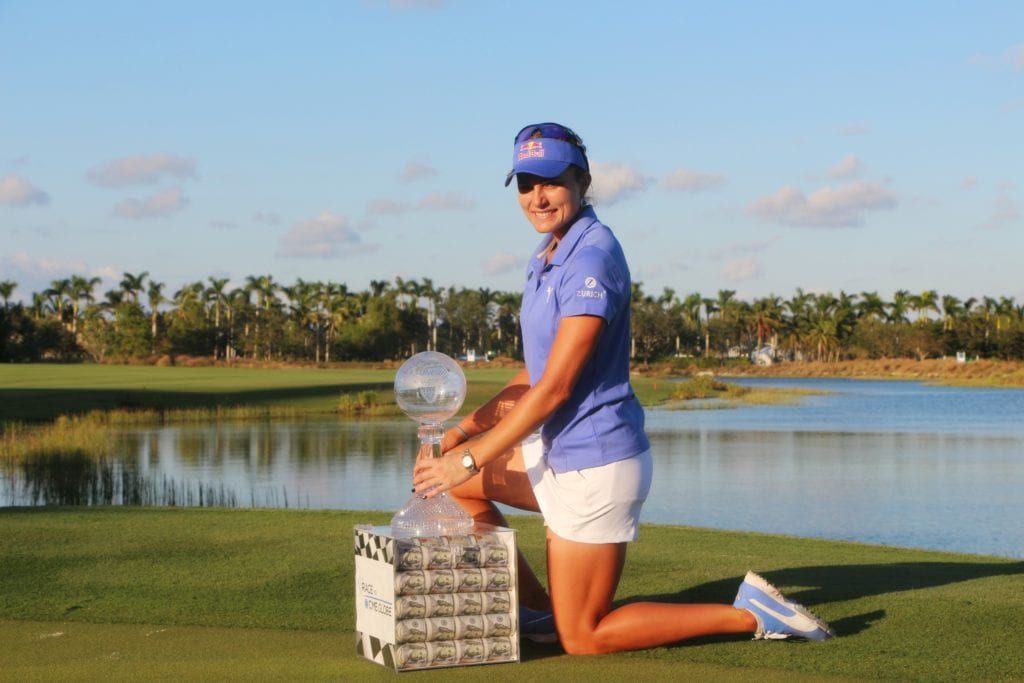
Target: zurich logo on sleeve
x,y
590,291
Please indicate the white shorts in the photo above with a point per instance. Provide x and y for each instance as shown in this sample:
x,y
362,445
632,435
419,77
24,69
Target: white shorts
x,y
596,505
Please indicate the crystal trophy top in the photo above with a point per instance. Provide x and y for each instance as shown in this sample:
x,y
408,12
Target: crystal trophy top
x,y
430,388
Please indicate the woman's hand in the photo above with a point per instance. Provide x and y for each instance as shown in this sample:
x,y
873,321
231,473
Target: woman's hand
x,y
451,439
432,476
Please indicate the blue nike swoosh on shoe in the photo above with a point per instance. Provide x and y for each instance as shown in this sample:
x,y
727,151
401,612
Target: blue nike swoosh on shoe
x,y
796,620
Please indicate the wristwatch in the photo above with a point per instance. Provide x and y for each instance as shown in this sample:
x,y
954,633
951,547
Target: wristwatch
x,y
469,462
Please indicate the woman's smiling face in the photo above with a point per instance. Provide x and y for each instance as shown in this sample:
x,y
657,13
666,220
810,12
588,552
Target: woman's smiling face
x,y
550,204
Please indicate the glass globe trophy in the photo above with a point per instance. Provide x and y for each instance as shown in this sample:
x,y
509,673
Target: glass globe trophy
x,y
430,388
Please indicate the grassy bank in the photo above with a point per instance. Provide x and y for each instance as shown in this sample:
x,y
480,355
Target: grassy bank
x,y
114,593
981,373
120,394
41,392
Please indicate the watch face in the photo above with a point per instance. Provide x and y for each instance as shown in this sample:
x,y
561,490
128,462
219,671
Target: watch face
x,y
468,463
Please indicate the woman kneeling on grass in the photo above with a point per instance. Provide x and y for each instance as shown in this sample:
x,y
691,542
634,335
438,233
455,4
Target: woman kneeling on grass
x,y
590,469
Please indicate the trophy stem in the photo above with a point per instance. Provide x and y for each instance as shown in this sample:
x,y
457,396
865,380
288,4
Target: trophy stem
x,y
430,435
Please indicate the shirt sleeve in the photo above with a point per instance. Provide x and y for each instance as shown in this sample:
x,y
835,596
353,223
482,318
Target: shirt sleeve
x,y
593,284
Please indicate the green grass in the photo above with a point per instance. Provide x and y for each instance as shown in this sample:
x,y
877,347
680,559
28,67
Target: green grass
x,y
706,392
190,594
41,392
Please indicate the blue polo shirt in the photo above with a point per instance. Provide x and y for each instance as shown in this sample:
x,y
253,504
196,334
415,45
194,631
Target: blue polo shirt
x,y
602,421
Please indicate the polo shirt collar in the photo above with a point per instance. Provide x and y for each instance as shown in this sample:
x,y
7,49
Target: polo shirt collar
x,y
584,220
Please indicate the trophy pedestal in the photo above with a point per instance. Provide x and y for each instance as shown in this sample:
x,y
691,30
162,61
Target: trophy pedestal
x,y
436,601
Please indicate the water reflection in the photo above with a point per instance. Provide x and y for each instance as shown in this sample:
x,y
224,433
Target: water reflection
x,y
837,466
79,479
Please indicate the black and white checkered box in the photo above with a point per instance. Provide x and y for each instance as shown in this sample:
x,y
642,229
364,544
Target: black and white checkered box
x,y
436,601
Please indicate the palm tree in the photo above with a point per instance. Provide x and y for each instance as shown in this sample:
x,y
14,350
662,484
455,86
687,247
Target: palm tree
x,y
338,308
1005,311
829,316
898,307
871,306
235,305
39,302
798,327
80,289
304,300
59,296
155,296
132,285
432,295
709,308
689,312
952,310
507,315
216,293
265,290
7,288
766,319
189,301
927,300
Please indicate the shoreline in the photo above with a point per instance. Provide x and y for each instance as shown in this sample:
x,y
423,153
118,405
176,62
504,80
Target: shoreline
x,y
982,373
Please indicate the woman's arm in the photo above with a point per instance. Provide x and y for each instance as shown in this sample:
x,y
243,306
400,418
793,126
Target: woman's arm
x,y
489,414
574,343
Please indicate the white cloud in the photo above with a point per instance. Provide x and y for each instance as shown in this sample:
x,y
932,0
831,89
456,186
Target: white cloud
x,y
385,207
329,235
446,201
502,262
849,167
688,180
746,268
16,191
149,168
614,182
35,273
415,170
163,203
834,207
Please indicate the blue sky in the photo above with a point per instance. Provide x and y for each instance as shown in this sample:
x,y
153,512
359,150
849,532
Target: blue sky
x,y
755,147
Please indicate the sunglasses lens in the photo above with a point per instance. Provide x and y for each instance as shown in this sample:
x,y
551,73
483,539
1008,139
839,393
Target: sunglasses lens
x,y
547,130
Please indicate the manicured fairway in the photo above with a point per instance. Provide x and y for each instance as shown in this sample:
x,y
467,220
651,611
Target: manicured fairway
x,y
32,392
43,391
189,594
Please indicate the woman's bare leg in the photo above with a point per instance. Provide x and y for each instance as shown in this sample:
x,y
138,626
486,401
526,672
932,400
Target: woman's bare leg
x,y
583,579
504,480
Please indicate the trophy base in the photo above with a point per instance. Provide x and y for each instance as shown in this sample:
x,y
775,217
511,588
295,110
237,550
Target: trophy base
x,y
437,516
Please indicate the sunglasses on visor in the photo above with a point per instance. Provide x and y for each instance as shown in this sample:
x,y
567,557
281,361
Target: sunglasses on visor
x,y
552,131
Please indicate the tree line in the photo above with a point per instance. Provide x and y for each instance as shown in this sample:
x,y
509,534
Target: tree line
x,y
324,322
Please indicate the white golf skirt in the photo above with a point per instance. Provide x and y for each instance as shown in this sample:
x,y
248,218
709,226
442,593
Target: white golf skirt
x,y
596,505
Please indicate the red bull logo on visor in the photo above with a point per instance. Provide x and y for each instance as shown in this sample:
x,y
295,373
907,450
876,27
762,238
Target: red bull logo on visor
x,y
531,149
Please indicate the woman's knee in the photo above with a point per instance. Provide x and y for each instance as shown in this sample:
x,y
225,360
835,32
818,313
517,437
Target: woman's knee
x,y
579,641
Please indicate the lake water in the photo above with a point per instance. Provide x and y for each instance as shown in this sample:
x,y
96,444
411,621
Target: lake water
x,y
896,463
